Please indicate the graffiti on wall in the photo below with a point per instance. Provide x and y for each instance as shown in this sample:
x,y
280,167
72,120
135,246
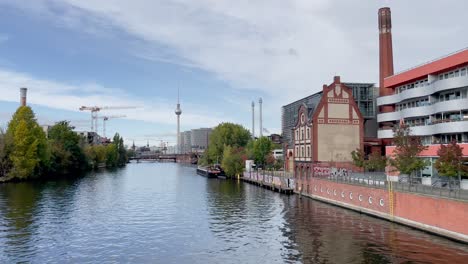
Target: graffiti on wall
x,y
321,171
339,172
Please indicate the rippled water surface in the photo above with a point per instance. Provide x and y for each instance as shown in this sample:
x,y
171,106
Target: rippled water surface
x,y
165,213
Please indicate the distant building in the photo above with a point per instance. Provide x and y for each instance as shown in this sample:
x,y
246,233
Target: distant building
x,y
91,138
275,138
200,139
278,154
186,142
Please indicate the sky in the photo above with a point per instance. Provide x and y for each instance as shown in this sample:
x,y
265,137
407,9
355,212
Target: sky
x,y
220,54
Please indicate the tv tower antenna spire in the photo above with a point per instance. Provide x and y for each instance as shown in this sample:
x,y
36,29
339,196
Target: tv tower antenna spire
x,y
178,112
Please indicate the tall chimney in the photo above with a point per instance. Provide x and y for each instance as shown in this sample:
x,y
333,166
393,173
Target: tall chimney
x,y
23,92
253,120
385,53
260,101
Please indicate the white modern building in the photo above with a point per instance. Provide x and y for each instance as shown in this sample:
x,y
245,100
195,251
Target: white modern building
x,y
431,98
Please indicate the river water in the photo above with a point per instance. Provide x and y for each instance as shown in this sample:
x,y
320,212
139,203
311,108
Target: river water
x,y
165,213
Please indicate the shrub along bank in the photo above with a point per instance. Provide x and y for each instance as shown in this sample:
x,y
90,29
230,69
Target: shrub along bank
x,y
26,152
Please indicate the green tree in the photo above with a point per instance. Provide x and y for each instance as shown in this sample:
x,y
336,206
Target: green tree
x,y
112,155
28,150
376,161
96,155
407,148
451,162
225,134
279,163
358,157
233,162
130,153
67,154
262,148
5,163
122,157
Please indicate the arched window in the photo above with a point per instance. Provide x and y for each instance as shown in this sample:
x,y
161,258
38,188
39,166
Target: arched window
x,y
302,151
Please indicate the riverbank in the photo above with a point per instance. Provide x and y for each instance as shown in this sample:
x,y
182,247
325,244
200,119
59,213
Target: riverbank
x,y
441,216
49,177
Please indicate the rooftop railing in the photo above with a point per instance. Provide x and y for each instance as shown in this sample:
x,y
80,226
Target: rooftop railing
x,y
428,62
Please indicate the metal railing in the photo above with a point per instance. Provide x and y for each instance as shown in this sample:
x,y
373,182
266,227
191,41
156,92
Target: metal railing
x,y
379,180
427,62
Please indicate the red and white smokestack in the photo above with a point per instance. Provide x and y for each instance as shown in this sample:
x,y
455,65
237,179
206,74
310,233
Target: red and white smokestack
x,y
385,53
23,92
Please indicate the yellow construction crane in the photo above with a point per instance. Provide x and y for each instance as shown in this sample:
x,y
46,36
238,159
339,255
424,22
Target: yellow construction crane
x,y
95,110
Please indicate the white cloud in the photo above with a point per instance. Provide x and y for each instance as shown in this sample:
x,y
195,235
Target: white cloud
x,y
271,45
284,49
70,97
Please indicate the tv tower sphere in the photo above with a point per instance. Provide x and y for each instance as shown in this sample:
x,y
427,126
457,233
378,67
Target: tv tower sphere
x,y
178,111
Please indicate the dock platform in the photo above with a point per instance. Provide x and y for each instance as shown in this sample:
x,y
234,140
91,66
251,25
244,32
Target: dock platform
x,y
269,182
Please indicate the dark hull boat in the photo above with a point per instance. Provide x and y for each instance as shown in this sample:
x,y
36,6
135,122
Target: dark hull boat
x,y
208,172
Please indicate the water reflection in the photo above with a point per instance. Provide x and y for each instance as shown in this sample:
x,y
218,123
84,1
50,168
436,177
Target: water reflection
x,y
325,233
165,213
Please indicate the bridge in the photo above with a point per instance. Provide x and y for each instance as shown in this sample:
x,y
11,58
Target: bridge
x,y
178,158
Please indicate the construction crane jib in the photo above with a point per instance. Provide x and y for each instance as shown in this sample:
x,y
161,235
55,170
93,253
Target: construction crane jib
x,y
95,110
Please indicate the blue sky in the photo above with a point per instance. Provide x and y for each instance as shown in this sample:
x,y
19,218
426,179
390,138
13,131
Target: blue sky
x,y
221,54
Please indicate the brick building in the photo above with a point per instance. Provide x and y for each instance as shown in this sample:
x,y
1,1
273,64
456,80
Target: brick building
x,y
328,131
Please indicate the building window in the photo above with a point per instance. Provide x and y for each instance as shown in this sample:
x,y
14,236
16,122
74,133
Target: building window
x,y
302,151
307,133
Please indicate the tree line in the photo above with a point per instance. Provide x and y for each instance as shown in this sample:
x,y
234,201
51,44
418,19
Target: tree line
x,y
27,152
230,145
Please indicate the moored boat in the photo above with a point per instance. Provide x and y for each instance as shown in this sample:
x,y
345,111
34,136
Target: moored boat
x,y
209,172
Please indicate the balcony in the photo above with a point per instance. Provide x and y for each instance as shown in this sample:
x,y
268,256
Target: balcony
x,y
431,88
443,127
439,107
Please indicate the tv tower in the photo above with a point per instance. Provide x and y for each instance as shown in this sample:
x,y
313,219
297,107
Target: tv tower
x,y
178,112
